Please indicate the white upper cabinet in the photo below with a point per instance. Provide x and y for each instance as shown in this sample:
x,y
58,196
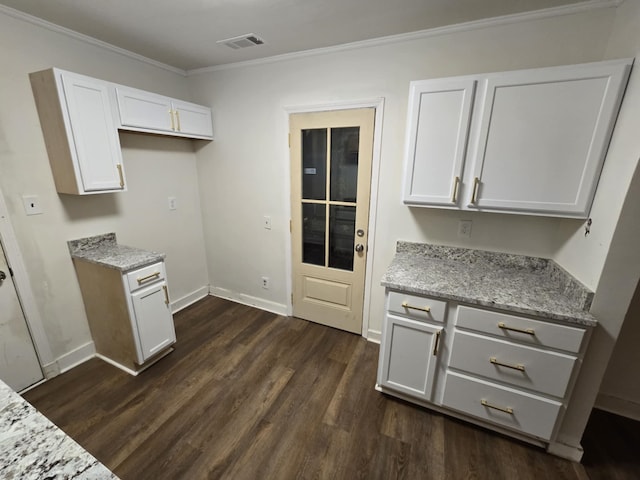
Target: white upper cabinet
x,y
147,112
439,117
79,131
536,139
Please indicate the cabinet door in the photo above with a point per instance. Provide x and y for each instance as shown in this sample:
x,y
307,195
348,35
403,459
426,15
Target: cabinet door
x,y
543,137
95,137
153,319
140,110
438,127
192,119
408,357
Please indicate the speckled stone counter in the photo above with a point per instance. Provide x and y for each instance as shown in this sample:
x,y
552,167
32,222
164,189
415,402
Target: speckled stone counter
x,y
33,448
104,250
512,283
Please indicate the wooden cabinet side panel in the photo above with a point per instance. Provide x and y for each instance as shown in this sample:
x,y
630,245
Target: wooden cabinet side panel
x,y
107,311
45,93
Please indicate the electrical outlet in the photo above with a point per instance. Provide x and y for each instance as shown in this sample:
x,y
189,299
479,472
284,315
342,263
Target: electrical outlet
x,y
266,220
173,203
464,228
265,283
32,204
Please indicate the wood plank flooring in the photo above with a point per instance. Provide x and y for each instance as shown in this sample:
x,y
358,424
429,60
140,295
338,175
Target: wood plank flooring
x,y
251,395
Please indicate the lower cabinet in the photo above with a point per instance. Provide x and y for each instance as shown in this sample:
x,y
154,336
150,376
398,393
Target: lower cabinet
x,y
506,372
408,359
129,313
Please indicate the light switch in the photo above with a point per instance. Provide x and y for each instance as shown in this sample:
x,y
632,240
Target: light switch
x,y
32,204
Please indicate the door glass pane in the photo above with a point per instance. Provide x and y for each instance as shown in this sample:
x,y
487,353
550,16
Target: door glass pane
x,y
342,228
344,163
313,233
314,164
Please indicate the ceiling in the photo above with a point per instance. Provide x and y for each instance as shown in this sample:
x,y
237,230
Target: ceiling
x,y
183,33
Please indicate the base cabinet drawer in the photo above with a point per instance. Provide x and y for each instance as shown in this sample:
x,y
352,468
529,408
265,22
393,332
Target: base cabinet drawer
x,y
503,406
507,362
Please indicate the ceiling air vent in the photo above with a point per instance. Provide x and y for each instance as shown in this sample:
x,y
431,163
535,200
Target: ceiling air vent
x,y
243,41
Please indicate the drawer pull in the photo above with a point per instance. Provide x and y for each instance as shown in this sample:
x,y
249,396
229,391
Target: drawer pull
x,y
141,280
528,331
435,347
508,410
495,361
422,309
166,295
456,182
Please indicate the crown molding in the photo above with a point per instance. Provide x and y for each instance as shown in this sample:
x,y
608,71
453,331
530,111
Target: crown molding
x,y
421,34
404,37
17,14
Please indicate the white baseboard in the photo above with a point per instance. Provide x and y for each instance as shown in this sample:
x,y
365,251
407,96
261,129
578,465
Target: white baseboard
x,y
619,406
51,370
75,357
189,299
261,303
374,336
568,452
116,364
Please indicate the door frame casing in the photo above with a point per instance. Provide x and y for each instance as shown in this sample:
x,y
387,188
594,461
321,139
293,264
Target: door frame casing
x,y
23,288
378,105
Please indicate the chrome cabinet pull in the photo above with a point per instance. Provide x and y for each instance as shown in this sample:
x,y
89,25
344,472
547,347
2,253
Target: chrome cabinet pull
x,y
528,331
422,309
517,366
508,410
141,280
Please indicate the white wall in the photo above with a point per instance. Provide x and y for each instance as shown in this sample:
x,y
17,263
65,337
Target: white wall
x,y
156,169
243,174
608,260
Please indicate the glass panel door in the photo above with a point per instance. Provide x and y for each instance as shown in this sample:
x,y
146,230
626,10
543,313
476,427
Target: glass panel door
x,y
329,195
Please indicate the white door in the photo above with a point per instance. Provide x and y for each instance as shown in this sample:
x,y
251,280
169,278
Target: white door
x,y
543,137
94,132
437,129
153,319
408,356
19,366
192,119
331,155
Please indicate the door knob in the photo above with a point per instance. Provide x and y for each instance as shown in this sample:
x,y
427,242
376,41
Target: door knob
x,y
359,248
3,275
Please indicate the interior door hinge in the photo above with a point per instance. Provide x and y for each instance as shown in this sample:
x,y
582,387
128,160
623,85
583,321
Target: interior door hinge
x,y
11,271
290,227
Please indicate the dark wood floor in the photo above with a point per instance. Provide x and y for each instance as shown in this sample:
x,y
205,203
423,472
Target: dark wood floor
x,y
251,395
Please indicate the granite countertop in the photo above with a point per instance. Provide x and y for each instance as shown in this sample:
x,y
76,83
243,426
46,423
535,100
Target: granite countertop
x,y
105,250
512,283
33,448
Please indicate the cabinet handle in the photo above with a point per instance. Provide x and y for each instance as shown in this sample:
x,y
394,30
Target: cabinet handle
x,y
517,366
476,182
456,182
119,167
166,295
422,309
178,119
141,280
435,347
528,331
508,410
173,125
